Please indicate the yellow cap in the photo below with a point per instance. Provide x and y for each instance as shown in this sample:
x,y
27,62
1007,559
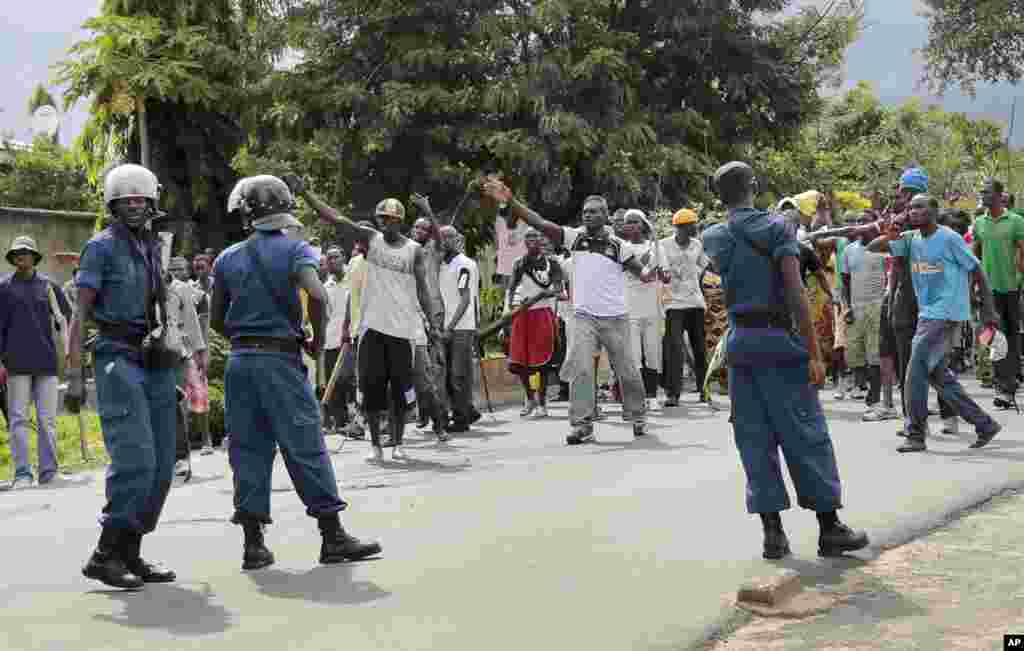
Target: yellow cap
x,y
808,202
684,216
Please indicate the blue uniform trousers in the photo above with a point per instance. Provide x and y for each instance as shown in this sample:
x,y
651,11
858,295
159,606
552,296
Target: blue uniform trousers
x,y
269,403
776,407
138,412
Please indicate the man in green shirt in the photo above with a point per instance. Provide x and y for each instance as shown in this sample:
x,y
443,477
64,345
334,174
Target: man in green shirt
x,y
999,244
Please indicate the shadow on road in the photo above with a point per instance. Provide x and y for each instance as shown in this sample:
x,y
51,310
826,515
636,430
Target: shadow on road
x,y
649,442
326,585
172,608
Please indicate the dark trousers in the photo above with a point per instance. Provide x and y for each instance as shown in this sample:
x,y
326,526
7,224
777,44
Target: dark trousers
x,y
904,339
271,406
385,371
690,321
137,408
336,410
460,375
1008,309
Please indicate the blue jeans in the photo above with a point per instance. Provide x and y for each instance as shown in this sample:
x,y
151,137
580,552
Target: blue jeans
x,y
138,412
269,404
22,392
929,359
778,408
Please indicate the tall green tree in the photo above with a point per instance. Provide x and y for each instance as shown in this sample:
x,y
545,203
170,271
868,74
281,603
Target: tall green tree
x,y
168,83
972,41
635,100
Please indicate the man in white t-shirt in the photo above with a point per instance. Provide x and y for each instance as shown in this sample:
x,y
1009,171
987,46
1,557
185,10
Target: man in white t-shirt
x,y
599,300
460,283
642,303
683,262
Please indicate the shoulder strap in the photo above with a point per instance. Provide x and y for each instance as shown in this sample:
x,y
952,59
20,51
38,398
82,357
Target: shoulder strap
x,y
294,315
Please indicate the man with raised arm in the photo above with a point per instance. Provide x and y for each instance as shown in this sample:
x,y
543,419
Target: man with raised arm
x,y
599,300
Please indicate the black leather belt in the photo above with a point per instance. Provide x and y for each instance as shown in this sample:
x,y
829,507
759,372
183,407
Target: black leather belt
x,y
762,320
269,344
122,335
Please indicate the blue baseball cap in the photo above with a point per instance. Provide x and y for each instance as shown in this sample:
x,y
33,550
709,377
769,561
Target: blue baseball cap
x,y
914,179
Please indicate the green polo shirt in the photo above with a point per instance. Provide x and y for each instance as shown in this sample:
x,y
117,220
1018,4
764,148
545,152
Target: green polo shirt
x,y
999,240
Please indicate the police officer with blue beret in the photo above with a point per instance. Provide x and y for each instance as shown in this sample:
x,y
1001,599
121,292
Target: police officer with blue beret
x,y
269,401
120,285
775,368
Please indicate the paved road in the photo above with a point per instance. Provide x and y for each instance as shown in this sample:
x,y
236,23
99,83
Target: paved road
x,y
506,539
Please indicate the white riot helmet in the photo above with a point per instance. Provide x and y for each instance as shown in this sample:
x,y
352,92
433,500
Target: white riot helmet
x,y
127,181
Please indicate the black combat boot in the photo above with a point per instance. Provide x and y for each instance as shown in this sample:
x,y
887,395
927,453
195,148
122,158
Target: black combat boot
x,y
338,546
255,554
836,538
776,544
131,543
107,566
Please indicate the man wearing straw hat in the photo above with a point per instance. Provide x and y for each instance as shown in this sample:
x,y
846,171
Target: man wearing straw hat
x,y
29,350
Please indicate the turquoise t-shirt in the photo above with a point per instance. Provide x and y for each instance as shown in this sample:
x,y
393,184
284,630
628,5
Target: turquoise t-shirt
x,y
940,267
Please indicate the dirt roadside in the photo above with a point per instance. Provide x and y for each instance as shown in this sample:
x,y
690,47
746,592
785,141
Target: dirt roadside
x,y
959,587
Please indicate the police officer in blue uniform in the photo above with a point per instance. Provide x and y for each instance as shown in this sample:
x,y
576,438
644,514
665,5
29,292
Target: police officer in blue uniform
x,y
269,401
120,282
774,368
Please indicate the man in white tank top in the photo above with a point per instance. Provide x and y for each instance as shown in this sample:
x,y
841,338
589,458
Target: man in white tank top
x,y
394,297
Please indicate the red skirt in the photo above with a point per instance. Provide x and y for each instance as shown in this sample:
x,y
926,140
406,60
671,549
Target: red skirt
x,y
533,339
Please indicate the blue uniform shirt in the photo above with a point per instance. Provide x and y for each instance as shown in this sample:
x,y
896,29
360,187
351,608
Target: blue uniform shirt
x,y
755,284
26,334
940,267
250,309
115,264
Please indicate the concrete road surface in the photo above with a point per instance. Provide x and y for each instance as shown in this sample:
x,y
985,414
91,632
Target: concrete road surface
x,y
505,539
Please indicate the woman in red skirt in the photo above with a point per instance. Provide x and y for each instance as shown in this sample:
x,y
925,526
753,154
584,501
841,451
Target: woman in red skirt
x,y
536,283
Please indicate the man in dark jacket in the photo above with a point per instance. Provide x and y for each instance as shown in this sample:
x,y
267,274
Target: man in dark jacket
x,y
30,303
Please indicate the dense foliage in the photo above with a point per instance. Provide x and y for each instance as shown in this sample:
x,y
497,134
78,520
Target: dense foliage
x,y
972,41
46,176
636,100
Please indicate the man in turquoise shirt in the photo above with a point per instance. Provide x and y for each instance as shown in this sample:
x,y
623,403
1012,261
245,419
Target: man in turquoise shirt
x,y
941,268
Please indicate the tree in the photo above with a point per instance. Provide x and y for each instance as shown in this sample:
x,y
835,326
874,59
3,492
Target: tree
x,y
169,82
860,145
46,176
971,41
635,100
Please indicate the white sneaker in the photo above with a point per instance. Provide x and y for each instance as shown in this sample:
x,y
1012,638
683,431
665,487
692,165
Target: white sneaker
x,y
951,425
540,412
879,414
376,455
528,409
840,395
206,451
21,483
398,453
858,394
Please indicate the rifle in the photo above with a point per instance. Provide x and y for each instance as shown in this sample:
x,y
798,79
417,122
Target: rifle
x,y
506,319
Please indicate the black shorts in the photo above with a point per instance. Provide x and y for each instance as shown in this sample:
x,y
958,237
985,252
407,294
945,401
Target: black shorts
x,y
385,367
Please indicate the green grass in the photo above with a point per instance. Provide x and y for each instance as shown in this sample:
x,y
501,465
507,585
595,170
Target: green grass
x,y
69,451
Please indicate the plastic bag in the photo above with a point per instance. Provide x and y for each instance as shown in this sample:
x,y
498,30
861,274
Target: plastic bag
x,y
999,347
